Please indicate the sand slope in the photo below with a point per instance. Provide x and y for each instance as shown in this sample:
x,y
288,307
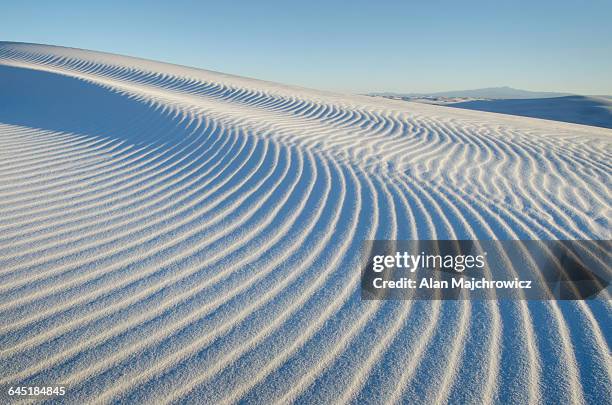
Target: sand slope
x,y
586,110
169,233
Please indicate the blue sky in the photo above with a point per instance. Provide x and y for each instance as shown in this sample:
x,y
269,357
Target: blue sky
x,y
351,46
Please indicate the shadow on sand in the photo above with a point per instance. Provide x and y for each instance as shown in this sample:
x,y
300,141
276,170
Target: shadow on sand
x,y
39,99
595,111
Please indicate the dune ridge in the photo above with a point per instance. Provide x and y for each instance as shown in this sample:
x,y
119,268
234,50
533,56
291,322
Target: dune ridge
x,y
172,234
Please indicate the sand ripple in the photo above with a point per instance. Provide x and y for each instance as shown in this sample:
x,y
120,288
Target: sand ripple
x,y
174,234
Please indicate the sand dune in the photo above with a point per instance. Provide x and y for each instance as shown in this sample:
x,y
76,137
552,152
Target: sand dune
x,y
586,110
175,234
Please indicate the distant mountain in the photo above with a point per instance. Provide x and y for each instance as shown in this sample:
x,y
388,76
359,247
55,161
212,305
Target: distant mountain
x,y
489,92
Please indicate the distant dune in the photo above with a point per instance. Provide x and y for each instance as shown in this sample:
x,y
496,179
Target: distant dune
x,y
503,92
171,234
585,110
595,111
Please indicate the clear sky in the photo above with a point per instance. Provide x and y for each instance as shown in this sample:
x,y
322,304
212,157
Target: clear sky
x,y
349,46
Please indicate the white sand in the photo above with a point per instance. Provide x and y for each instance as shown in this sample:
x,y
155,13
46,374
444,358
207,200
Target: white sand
x,y
169,233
